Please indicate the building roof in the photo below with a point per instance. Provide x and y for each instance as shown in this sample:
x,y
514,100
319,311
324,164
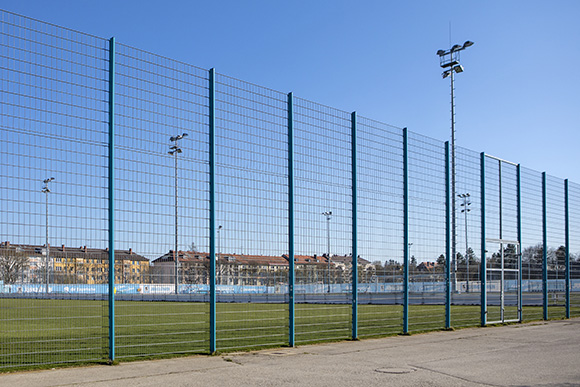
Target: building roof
x,y
72,252
426,266
192,257
347,260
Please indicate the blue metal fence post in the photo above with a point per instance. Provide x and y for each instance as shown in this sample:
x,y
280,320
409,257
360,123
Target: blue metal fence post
x,y
545,248
567,242
447,239
483,270
405,232
354,231
291,279
212,245
519,225
111,183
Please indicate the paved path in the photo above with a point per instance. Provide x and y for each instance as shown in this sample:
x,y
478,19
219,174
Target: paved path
x,y
535,354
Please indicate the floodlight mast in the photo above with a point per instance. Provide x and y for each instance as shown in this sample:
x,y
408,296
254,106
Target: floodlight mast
x,y
46,191
466,203
174,150
449,60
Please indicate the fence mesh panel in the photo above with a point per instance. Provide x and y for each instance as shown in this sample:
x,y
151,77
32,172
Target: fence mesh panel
x,y
465,301
252,215
161,203
555,228
427,193
380,231
53,194
323,185
532,245
574,234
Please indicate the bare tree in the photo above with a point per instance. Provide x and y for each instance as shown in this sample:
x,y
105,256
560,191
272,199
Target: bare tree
x,y
13,263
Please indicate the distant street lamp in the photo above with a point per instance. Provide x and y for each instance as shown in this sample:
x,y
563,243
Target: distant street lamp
x,y
328,215
466,203
409,252
175,150
46,191
449,60
219,249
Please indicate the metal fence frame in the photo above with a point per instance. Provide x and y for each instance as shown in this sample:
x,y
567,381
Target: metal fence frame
x,y
291,334
354,149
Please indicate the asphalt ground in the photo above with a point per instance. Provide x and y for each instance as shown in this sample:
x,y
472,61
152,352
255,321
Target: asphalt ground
x,y
533,354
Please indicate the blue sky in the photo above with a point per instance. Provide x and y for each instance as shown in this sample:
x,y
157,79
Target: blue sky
x,y
517,99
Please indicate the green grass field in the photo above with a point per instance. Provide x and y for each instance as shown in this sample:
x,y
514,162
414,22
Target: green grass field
x,y
35,333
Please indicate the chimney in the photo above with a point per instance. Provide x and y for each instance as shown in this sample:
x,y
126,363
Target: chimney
x,y
85,248
130,251
62,247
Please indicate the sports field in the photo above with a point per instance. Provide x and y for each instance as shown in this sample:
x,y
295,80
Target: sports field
x,y
37,332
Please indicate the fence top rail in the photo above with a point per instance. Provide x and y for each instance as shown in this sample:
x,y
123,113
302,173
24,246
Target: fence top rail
x,y
504,241
502,160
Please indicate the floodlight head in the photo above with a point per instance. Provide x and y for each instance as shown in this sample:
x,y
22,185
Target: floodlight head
x,y
440,52
171,152
445,74
458,69
456,47
46,181
45,190
178,137
220,227
468,43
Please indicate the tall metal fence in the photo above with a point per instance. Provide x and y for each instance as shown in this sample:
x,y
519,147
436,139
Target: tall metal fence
x,y
150,208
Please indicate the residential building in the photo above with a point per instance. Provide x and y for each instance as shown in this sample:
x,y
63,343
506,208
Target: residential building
x,y
80,265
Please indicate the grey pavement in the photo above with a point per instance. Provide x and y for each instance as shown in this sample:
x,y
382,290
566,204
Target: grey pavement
x,y
534,354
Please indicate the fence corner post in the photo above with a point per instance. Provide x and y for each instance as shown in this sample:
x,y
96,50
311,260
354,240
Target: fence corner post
x,y
545,248
519,236
405,231
483,270
111,194
291,268
447,239
567,242
354,228
212,203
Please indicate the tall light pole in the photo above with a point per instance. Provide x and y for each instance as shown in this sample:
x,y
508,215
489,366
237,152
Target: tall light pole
x,y
328,215
409,252
175,150
449,60
466,203
46,191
